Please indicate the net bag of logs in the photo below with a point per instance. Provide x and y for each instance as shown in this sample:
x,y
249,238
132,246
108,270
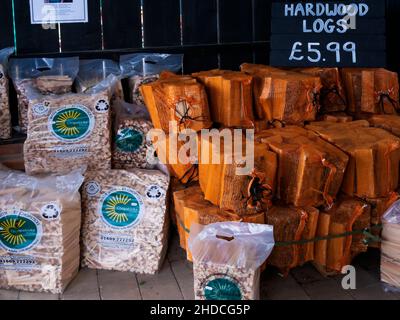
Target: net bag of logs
x,y
177,98
48,76
333,95
371,91
341,230
373,169
68,131
285,96
40,220
310,170
390,123
230,97
390,249
191,208
227,257
5,115
291,227
125,220
378,208
231,183
335,117
182,166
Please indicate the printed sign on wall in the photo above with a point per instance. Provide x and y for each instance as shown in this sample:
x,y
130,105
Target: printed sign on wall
x,y
328,34
58,11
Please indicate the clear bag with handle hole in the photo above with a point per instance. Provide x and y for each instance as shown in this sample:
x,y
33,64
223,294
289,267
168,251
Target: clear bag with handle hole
x,y
145,68
99,74
390,248
227,257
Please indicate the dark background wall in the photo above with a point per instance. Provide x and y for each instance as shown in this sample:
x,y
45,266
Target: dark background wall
x,y
211,33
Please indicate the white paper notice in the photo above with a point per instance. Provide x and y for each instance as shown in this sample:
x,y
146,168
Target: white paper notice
x,y
58,11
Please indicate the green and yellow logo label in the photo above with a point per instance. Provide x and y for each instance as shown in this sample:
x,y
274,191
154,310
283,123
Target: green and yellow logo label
x,y
129,140
19,231
222,288
121,208
71,123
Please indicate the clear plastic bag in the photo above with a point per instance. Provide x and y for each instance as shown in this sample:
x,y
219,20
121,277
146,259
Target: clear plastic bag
x,y
132,146
390,248
47,75
125,220
68,131
39,230
227,258
5,115
98,74
145,68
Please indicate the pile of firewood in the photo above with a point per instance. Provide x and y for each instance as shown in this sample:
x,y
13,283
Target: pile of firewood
x,y
326,155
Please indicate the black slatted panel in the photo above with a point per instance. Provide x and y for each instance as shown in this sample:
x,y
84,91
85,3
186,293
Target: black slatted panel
x,y
392,37
33,38
83,36
6,25
199,21
261,55
232,59
262,22
235,21
200,26
161,23
122,27
236,25
200,60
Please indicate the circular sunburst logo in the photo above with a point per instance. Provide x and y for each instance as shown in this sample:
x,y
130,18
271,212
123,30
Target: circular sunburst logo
x,y
129,140
19,231
222,288
121,208
71,123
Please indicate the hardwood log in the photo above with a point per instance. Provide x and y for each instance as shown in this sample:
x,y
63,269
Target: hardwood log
x,y
373,90
177,98
373,169
310,170
230,97
225,186
285,96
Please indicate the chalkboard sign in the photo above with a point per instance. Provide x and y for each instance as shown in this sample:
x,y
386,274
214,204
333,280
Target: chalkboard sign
x,y
328,34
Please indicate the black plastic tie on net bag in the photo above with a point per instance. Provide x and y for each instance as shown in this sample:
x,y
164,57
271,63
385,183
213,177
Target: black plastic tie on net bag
x,y
381,102
334,90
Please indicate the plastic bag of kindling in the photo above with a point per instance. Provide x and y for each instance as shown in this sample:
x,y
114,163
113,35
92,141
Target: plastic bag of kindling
x,y
47,75
145,68
5,115
125,220
132,146
390,248
67,131
96,75
227,258
39,230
